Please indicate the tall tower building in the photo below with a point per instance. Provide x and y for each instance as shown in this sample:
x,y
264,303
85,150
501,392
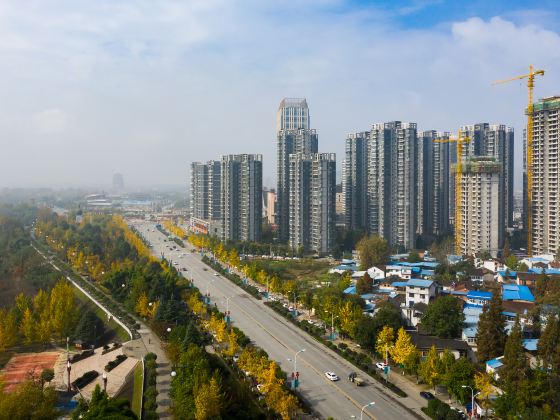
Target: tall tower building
x,y
118,182
435,162
355,181
241,195
393,183
293,114
206,193
481,222
290,141
312,211
497,141
546,176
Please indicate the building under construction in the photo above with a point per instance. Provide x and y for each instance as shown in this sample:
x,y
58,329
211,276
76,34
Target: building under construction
x,y
482,216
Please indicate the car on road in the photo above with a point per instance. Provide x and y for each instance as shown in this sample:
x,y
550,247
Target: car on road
x,y
380,365
217,274
427,395
331,376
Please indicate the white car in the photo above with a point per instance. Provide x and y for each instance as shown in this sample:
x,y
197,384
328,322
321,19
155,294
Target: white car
x,y
331,376
216,274
380,365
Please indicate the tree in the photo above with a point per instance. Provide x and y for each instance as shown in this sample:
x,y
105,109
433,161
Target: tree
x,y
511,262
8,329
430,368
62,308
413,257
208,400
102,407
549,344
364,284
373,251
384,340
483,382
506,251
387,315
365,331
444,317
29,401
349,313
47,375
89,328
461,374
515,363
27,327
491,334
403,348
142,308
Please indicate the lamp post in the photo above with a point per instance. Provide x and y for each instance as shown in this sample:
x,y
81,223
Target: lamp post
x,y
364,407
332,323
227,309
68,369
207,291
472,399
174,372
105,382
295,373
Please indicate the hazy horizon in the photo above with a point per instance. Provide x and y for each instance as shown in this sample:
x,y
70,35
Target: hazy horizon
x,y
143,88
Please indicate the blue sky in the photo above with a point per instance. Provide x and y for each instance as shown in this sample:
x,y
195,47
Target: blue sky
x,y
145,87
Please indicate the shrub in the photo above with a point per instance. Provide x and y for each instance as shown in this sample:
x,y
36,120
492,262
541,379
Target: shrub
x,y
85,379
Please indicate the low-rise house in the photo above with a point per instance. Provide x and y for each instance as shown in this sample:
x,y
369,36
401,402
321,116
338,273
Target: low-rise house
x,y
425,342
420,291
539,261
516,292
506,276
494,265
494,366
402,272
478,297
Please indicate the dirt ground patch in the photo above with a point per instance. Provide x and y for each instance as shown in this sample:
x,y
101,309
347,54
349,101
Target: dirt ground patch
x,y
23,367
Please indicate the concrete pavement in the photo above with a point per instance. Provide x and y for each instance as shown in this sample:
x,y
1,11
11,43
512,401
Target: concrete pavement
x,y
281,340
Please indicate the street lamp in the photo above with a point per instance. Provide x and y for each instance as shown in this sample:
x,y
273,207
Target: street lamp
x,y
227,308
295,366
364,407
472,399
332,323
207,291
104,381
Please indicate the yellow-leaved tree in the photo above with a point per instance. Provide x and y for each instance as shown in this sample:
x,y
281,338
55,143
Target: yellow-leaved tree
x,y
483,382
208,400
142,307
403,349
384,340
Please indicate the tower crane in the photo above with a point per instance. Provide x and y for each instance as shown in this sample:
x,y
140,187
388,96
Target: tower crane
x,y
530,85
460,140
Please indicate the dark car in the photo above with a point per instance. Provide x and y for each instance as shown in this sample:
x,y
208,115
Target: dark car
x,y
427,395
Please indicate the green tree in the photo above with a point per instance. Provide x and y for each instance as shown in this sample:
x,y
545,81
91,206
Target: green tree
x,y
365,331
491,333
47,375
89,328
387,315
515,363
430,368
102,407
29,401
511,262
373,251
27,327
444,317
364,284
208,400
548,347
414,257
461,374
62,308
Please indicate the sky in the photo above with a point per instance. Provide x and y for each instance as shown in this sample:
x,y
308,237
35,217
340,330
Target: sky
x,y
144,87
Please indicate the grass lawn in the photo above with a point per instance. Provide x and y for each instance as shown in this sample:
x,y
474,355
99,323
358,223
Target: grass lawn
x,y
112,325
137,392
299,270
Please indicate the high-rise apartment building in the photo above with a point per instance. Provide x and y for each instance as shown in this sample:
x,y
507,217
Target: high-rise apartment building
x,y
497,141
312,212
393,183
290,141
434,193
241,195
355,181
205,203
269,206
545,228
481,224
293,114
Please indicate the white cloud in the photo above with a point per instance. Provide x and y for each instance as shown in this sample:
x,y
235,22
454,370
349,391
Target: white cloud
x,y
156,84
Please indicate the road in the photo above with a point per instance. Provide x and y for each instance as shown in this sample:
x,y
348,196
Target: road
x,y
281,340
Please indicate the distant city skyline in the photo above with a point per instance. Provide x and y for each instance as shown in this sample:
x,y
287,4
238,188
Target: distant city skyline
x,y
144,88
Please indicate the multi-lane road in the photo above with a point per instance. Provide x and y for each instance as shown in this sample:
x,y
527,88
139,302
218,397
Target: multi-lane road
x,y
281,340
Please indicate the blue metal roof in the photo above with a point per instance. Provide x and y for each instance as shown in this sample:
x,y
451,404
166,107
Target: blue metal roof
x,y
494,363
539,270
368,296
350,290
515,292
530,344
477,294
399,284
511,274
419,283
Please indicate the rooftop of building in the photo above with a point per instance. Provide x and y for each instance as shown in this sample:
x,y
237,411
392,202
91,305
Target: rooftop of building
x,y
495,363
479,294
516,292
419,283
293,102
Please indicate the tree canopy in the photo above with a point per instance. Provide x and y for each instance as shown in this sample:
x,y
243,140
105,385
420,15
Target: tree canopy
x,y
444,317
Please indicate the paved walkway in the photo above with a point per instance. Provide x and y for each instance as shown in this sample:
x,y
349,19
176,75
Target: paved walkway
x,y
150,343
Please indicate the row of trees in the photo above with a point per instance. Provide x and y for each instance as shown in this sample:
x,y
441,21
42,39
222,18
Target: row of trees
x,y
47,315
